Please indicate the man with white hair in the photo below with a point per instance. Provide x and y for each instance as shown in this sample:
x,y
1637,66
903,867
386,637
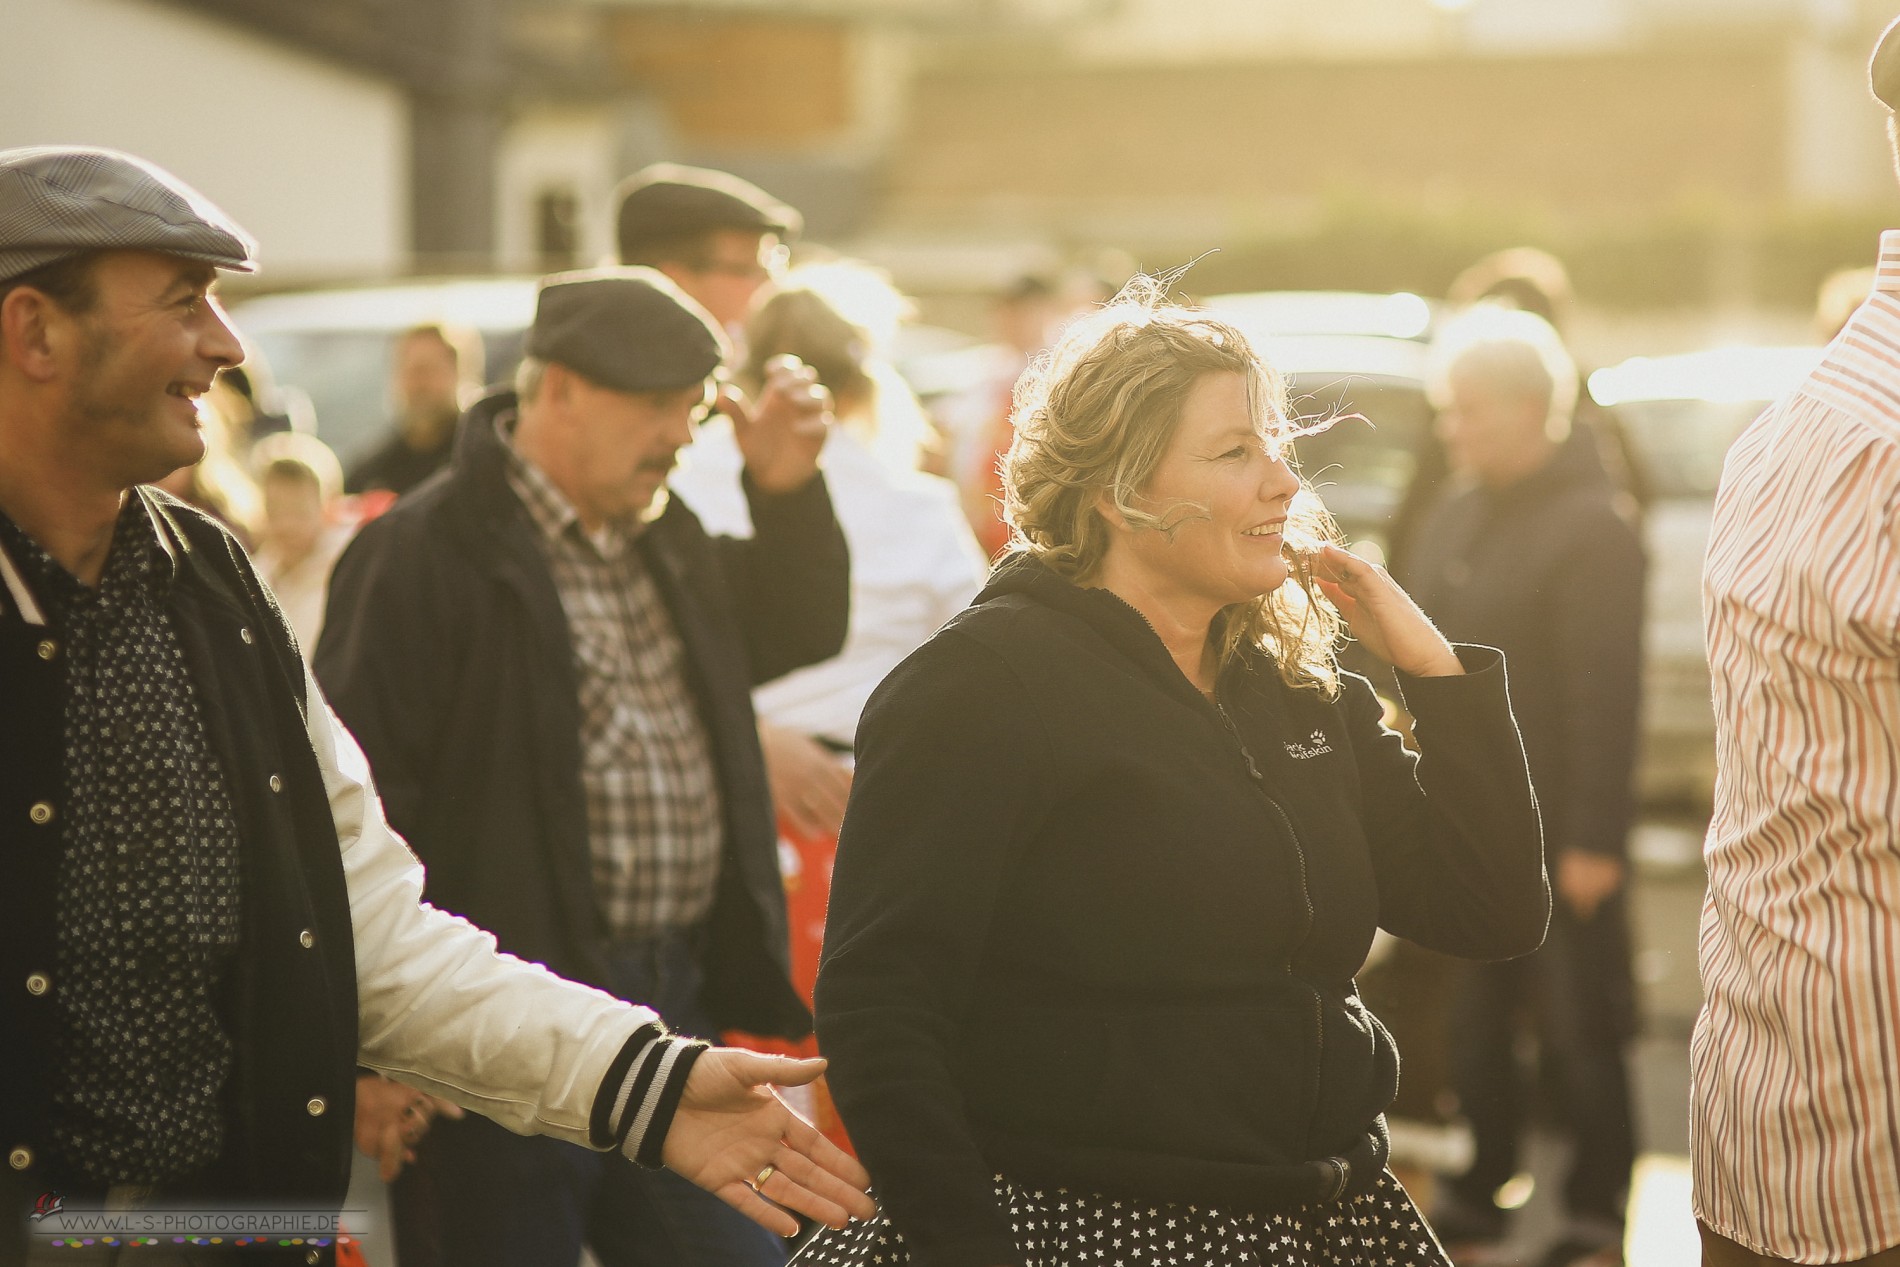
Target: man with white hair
x,y
1533,552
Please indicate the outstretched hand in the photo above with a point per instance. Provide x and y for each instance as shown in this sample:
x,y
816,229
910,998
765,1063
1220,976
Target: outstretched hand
x,y
781,433
731,1128
1381,616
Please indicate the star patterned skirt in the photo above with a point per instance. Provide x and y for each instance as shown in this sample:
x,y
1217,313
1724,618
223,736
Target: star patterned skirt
x,y
1059,1228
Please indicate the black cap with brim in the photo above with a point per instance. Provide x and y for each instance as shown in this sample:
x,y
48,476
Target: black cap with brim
x,y
61,201
627,329
1883,68
671,200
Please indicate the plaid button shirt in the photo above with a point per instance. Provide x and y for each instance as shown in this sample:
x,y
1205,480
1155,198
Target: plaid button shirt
x,y
653,818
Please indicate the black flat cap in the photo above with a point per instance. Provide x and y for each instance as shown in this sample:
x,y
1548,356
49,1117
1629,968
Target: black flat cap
x,y
628,329
669,200
60,200
1883,68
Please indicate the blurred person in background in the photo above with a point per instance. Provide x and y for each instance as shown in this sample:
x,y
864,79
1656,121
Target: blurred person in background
x,y
1026,317
1531,553
302,528
205,922
1533,281
548,663
719,238
218,482
433,368
1793,1092
914,565
1122,832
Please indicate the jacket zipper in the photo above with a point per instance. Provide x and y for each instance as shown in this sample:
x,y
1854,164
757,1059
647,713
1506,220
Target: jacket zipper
x,y
1306,899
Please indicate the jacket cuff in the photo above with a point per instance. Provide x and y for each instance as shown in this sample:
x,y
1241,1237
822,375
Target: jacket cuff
x,y
806,507
635,1105
1483,678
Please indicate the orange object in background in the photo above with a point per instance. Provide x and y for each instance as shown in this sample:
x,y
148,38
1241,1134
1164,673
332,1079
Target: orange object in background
x,y
805,868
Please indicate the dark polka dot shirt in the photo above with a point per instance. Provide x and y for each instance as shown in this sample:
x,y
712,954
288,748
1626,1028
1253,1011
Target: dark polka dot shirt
x,y
148,878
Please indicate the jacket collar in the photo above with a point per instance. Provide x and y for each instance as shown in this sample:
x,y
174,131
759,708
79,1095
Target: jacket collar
x,y
1112,619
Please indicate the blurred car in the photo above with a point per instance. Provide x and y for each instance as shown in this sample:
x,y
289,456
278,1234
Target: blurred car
x,y
1681,414
335,346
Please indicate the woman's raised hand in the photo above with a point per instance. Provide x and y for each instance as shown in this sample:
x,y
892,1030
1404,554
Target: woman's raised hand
x,y
1381,616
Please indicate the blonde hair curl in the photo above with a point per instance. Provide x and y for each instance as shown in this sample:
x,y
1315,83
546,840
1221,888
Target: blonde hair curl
x,y
1095,415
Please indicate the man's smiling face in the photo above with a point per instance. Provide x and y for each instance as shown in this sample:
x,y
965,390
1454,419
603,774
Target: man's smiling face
x,y
136,362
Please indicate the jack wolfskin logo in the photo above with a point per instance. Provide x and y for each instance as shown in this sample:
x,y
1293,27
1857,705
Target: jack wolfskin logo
x,y
1315,745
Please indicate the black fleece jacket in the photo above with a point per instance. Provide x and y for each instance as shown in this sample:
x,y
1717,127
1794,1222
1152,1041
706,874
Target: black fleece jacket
x,y
1074,936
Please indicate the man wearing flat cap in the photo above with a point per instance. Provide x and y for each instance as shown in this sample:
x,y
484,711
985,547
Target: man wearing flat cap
x,y
548,663
1795,1064
206,925
717,237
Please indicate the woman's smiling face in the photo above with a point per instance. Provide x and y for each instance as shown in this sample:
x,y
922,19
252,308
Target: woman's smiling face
x,y
1225,488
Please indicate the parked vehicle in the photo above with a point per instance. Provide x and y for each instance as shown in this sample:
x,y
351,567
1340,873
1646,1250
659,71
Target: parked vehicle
x,y
336,345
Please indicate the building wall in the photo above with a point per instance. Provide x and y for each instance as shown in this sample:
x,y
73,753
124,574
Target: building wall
x,y
1185,154
309,157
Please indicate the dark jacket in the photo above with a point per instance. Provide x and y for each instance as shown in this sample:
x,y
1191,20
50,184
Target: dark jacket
x,y
1550,571
1074,939
290,1007
446,652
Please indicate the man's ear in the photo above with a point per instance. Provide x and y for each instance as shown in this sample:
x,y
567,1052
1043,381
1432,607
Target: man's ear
x,y
34,331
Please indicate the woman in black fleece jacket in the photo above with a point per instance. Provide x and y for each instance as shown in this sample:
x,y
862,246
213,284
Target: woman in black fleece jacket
x,y
1121,834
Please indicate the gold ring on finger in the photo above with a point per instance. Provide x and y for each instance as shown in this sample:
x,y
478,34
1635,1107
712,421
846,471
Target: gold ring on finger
x,y
758,1180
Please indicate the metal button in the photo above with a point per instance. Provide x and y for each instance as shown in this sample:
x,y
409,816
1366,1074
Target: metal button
x,y
20,1158
37,984
317,1106
306,939
41,813
311,1256
47,648
276,784
245,633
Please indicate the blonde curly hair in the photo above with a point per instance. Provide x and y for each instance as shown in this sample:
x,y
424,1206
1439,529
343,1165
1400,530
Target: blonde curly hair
x,y
1095,415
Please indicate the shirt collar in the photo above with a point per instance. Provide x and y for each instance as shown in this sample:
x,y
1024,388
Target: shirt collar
x,y
140,554
1887,271
553,514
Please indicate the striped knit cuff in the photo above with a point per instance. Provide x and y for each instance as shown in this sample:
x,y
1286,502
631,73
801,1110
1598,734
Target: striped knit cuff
x,y
645,1143
600,1123
640,1109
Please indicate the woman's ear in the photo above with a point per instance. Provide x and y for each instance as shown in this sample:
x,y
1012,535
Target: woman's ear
x,y
1111,513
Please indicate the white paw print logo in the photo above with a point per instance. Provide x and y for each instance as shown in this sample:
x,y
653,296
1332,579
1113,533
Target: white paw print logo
x,y
1314,745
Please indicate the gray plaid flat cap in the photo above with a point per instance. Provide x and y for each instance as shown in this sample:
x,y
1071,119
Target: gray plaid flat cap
x,y
58,200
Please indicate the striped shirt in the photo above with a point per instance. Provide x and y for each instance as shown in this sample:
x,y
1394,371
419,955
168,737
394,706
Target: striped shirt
x,y
1796,1059
654,824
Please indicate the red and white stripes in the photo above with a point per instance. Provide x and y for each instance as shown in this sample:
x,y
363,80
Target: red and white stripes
x,y
1795,1103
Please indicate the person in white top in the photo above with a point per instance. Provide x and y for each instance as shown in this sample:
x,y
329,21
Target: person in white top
x,y
914,561
914,564
302,533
